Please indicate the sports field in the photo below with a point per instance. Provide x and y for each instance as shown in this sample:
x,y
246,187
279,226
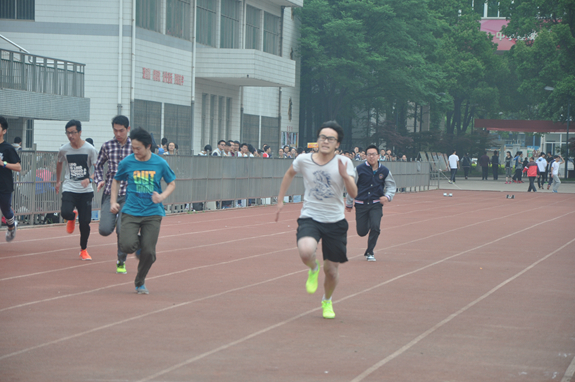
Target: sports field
x,y
476,287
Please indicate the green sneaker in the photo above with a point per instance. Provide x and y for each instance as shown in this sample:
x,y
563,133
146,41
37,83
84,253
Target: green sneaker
x,y
327,309
311,284
121,268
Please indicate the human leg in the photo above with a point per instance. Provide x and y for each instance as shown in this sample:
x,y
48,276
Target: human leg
x,y
495,170
375,215
68,205
109,221
6,208
331,271
362,219
84,207
466,172
453,172
556,183
150,229
532,184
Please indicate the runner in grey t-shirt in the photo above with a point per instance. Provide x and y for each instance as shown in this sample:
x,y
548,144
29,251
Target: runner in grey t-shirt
x,y
326,176
78,156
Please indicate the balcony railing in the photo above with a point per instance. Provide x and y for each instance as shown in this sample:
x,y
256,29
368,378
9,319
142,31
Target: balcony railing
x,y
28,72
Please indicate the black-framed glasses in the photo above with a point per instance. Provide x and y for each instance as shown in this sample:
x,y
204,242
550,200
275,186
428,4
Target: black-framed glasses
x,y
326,138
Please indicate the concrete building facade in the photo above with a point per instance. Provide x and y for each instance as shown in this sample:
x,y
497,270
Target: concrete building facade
x,y
193,71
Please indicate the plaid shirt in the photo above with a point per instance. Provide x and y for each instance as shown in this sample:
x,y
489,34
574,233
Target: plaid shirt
x,y
112,152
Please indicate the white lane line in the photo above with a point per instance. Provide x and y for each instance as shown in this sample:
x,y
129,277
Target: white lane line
x,y
425,334
404,348
569,372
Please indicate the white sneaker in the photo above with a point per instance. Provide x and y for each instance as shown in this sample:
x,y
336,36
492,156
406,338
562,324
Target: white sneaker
x,y
10,235
370,257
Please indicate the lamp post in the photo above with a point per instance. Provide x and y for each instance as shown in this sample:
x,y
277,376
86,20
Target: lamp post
x,y
549,88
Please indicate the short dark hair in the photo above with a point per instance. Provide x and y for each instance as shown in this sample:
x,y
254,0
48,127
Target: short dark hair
x,y
243,144
220,141
238,142
332,125
208,148
164,141
228,143
141,135
372,147
251,148
266,147
72,123
3,123
17,140
90,141
121,120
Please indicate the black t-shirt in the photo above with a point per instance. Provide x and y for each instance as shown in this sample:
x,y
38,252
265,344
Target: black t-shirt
x,y
8,154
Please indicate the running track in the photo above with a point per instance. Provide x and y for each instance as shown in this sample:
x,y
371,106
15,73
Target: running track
x,y
471,288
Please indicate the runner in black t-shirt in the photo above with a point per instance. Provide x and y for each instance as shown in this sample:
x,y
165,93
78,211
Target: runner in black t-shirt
x,y
9,161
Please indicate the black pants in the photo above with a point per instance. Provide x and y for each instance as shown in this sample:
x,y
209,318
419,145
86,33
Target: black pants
x,y
466,171
532,184
495,169
6,207
453,173
83,203
485,171
368,220
518,173
541,179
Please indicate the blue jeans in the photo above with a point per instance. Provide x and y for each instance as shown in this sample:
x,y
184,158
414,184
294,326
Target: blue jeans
x,y
453,172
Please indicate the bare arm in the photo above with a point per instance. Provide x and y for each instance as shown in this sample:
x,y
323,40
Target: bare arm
x,y
114,206
58,176
348,180
288,177
158,198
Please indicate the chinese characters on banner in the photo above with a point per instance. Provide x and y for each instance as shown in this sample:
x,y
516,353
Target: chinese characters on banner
x,y
166,77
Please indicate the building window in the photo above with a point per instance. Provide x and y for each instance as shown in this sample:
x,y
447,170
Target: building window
x,y
29,133
252,28
493,8
206,22
205,127
221,119
271,132
251,129
17,9
178,18
213,105
228,118
148,14
230,24
148,116
271,34
178,126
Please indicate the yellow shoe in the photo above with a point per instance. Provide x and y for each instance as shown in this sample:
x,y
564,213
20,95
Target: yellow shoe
x,y
311,283
327,309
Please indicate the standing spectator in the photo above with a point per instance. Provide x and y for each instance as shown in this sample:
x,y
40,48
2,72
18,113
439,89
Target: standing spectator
x,y
466,164
293,152
518,163
267,152
550,161
531,170
77,192
251,150
281,153
221,149
453,165
495,165
325,177
542,167
172,150
206,152
142,214
287,151
9,161
484,163
508,167
403,158
375,186
228,149
164,147
18,143
112,152
382,155
555,172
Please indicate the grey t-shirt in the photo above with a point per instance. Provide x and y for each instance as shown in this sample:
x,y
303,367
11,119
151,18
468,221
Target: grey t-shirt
x,y
78,163
324,188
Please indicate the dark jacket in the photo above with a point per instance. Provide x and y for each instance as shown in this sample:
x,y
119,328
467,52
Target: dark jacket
x,y
484,160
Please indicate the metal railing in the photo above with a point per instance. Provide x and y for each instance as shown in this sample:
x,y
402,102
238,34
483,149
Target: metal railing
x,y
28,72
199,179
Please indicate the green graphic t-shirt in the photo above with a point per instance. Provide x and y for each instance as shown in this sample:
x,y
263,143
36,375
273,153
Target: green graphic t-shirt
x,y
143,179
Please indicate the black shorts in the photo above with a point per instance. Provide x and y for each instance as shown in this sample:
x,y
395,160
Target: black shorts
x,y
333,236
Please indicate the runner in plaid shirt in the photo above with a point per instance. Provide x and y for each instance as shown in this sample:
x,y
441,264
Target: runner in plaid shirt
x,y
113,152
